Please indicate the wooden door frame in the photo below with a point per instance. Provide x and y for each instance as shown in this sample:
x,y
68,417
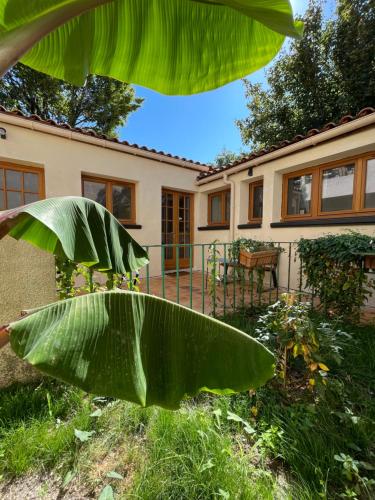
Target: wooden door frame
x,y
175,192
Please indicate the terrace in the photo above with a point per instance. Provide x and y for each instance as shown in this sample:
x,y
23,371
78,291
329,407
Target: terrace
x,y
214,286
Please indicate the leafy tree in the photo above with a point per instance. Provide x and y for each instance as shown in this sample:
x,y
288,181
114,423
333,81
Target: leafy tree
x,y
225,157
326,74
102,104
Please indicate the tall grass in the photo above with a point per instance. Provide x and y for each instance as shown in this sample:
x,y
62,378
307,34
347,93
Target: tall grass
x,y
197,452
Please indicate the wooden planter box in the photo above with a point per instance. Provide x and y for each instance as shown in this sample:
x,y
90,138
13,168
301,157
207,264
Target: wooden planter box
x,y
263,258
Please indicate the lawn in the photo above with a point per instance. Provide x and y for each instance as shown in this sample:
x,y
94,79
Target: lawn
x,y
273,444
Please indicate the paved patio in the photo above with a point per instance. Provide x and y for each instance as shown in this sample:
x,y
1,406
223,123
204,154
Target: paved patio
x,y
200,299
236,295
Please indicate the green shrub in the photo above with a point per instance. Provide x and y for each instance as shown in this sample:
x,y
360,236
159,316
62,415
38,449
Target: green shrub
x,y
301,346
333,269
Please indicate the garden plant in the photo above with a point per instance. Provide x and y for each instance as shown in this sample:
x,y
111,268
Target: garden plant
x,y
122,344
333,267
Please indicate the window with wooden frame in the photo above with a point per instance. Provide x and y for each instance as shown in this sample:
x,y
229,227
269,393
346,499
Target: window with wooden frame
x,y
337,189
256,201
219,208
117,196
20,185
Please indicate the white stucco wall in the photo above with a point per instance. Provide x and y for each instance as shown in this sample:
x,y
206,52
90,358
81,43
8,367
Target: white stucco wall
x,y
65,160
359,142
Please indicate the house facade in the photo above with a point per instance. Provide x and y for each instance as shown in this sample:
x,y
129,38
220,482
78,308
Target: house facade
x,y
320,183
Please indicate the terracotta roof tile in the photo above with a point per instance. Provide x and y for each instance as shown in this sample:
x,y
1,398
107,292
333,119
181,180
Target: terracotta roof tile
x,y
92,133
285,143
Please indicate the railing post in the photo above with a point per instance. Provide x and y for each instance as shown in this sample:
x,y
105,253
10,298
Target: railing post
x,y
203,279
225,279
148,273
289,259
178,273
234,283
190,247
278,270
163,270
214,284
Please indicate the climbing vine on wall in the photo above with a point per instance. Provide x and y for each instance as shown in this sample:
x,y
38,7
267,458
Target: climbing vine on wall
x,y
333,269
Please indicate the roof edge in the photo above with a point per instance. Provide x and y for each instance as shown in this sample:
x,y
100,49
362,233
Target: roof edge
x,y
90,136
215,173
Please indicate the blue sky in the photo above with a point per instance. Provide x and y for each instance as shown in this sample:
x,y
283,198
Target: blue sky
x,y
195,127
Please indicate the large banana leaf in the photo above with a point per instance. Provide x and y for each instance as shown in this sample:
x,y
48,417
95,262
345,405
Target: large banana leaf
x,y
77,229
140,348
173,46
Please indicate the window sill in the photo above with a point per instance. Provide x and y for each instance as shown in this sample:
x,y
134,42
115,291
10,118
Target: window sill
x,y
250,225
213,228
131,226
338,221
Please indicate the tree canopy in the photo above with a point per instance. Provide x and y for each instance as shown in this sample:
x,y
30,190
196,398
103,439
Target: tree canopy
x,y
328,73
102,104
226,156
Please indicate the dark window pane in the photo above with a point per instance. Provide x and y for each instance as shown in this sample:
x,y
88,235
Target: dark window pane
x,y
95,191
299,195
30,197
370,185
227,207
1,178
216,208
14,199
121,199
2,205
31,182
258,202
337,189
13,180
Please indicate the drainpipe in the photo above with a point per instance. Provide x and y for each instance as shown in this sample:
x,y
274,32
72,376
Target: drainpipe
x,y
232,204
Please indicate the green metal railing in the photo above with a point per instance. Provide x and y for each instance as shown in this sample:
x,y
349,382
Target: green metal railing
x,y
213,283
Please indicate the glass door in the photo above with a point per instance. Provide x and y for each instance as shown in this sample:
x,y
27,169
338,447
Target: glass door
x,y
176,215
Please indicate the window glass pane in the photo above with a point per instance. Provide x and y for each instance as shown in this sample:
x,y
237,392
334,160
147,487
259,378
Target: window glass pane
x,y
14,199
30,198
370,185
216,208
299,195
95,191
121,200
2,205
13,179
1,178
337,190
30,182
258,202
227,206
